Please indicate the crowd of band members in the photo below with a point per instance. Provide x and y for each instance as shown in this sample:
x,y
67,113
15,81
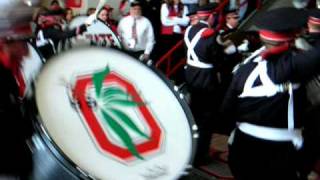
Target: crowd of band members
x,y
167,18
211,57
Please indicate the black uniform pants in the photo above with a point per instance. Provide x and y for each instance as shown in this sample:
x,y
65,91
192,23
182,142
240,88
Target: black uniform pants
x,y
251,159
204,109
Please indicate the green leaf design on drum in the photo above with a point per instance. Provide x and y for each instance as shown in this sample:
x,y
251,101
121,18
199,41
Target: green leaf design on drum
x,y
111,101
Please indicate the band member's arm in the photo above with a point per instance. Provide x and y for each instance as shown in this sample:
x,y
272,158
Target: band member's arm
x,y
302,65
60,35
228,107
184,19
150,39
164,16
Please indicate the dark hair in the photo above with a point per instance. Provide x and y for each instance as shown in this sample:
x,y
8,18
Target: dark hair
x,y
170,4
90,9
54,2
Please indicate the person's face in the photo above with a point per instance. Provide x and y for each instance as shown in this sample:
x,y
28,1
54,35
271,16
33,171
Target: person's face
x,y
103,15
194,19
232,19
69,15
135,11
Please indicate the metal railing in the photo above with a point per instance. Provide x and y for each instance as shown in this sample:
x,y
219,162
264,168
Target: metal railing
x,y
167,59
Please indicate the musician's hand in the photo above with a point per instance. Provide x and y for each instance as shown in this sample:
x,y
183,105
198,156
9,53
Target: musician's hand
x,y
231,49
144,57
244,46
91,19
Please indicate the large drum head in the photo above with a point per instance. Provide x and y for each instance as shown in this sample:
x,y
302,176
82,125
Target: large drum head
x,y
114,117
98,34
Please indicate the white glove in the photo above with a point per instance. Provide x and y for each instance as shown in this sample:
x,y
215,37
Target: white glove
x,y
231,49
177,29
91,19
244,46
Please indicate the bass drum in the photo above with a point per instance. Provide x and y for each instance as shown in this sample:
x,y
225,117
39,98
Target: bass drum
x,y
98,34
104,115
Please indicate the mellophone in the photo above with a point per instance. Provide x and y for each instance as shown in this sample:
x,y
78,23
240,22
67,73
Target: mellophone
x,y
100,114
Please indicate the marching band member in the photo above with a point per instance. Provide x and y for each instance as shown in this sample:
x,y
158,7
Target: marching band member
x,y
311,128
265,101
15,156
201,78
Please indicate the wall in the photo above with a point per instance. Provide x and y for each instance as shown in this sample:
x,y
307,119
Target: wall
x,y
89,3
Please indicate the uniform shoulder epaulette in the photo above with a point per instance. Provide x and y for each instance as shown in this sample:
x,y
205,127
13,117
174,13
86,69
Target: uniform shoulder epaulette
x,y
207,33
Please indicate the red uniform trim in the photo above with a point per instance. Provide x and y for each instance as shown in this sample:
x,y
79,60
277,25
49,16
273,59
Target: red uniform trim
x,y
276,36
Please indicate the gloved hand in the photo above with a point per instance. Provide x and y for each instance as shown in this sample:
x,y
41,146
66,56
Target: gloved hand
x,y
144,57
231,49
244,46
91,19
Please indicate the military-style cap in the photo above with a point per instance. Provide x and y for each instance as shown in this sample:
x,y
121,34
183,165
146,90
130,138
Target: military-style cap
x,y
281,24
135,3
15,17
314,17
191,13
55,12
228,10
206,10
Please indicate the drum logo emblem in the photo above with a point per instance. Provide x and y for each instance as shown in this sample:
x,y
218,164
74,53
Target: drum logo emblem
x,y
118,119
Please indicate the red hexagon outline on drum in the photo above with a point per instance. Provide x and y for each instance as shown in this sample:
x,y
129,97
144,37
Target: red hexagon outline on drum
x,y
153,145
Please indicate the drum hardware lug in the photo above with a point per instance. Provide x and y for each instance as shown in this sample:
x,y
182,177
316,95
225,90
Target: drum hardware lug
x,y
176,88
186,170
195,135
195,128
181,96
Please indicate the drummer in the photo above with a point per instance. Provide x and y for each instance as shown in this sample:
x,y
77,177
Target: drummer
x,y
15,157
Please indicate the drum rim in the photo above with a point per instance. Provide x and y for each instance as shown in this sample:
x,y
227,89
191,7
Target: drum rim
x,y
61,156
57,153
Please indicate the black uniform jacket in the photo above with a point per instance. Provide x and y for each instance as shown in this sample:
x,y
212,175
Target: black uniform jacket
x,y
56,35
271,111
207,50
15,157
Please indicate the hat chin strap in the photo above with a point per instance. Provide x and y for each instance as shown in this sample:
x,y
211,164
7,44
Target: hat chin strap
x,y
275,50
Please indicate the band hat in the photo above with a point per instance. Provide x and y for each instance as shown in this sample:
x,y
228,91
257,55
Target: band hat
x,y
55,12
206,10
281,24
314,16
135,3
228,10
191,13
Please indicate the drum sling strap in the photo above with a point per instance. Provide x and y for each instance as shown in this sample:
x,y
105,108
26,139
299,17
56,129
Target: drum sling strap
x,y
269,89
192,58
41,41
